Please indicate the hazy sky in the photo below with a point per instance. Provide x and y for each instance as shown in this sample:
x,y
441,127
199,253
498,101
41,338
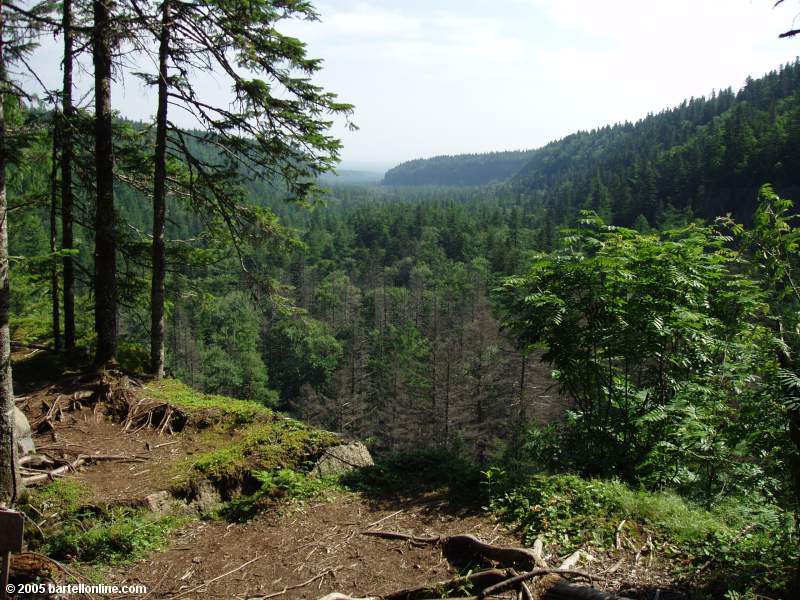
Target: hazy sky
x,y
452,76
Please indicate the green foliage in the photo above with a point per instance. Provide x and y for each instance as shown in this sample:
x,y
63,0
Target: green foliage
x,y
119,537
754,545
276,486
301,350
90,534
652,338
230,358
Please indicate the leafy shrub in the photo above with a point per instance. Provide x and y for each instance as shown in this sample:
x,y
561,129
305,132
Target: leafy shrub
x,y
88,534
121,536
655,339
754,546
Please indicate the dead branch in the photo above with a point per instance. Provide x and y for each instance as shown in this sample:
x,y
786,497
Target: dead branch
x,y
73,466
460,549
296,586
393,535
480,580
466,549
379,521
217,578
512,582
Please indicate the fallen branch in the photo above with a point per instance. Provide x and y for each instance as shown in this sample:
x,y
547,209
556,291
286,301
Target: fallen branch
x,y
481,580
462,550
297,586
217,578
512,582
386,518
393,535
81,460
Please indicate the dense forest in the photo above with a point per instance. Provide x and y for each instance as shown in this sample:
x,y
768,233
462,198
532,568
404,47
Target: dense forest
x,y
612,316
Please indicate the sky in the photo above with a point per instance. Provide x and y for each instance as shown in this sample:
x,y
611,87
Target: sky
x,y
457,76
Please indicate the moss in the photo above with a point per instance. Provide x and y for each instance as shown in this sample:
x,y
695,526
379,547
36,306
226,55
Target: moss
x,y
282,444
208,408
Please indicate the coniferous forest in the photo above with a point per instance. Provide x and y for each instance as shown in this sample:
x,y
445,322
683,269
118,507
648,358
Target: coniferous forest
x,y
592,344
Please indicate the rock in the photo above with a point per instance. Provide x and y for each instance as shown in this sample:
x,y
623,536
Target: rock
x,y
206,498
160,502
23,433
342,459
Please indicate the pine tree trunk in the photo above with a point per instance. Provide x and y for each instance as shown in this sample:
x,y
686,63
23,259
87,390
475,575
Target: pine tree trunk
x,y
105,259
157,291
66,180
54,296
8,446
794,432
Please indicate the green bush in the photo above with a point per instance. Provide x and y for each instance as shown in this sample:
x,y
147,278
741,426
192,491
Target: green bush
x,y
754,545
280,485
88,533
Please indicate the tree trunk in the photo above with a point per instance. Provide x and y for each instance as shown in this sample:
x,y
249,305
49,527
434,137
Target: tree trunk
x,y
67,112
794,432
54,296
8,446
157,291
105,259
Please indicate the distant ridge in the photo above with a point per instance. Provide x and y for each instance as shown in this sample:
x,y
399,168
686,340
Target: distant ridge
x,y
704,157
459,170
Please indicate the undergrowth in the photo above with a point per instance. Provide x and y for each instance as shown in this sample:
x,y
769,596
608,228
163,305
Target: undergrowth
x,y
753,547
278,486
417,472
69,529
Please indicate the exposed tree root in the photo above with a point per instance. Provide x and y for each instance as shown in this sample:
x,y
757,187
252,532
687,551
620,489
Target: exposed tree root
x,y
536,581
474,581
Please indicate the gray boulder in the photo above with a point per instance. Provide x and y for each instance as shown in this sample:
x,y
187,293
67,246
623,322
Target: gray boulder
x,y
342,459
23,433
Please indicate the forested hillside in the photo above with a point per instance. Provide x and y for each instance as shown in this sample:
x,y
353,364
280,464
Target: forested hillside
x,y
705,157
460,170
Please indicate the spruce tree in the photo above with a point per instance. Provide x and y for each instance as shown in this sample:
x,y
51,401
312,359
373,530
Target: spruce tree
x,y
105,258
274,131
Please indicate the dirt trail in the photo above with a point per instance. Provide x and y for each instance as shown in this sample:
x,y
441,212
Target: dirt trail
x,y
319,541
